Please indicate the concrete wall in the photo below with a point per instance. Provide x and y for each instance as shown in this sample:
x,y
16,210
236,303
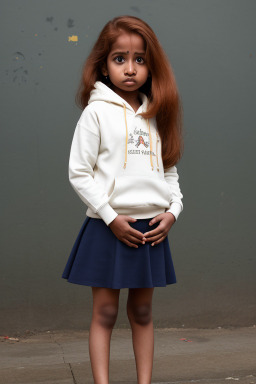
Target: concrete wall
x,y
211,46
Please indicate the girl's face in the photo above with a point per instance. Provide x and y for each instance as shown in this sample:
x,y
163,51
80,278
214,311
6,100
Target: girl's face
x,y
126,64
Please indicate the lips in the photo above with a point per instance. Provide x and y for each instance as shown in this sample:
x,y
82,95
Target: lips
x,y
129,81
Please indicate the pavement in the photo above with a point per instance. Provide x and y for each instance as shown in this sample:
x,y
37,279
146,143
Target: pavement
x,y
181,355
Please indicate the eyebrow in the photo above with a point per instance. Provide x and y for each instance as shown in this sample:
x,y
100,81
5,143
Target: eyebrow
x,y
125,53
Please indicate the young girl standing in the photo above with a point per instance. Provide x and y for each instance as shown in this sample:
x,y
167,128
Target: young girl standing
x,y
122,165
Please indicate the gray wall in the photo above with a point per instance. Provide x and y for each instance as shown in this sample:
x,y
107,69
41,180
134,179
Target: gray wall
x,y
211,46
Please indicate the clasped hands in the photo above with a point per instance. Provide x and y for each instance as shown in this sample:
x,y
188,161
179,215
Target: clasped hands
x,y
132,237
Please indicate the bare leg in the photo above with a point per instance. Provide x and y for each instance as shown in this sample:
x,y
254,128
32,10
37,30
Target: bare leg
x,y
139,311
105,310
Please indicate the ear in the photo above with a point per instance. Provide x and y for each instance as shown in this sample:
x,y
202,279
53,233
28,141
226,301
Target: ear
x,y
104,70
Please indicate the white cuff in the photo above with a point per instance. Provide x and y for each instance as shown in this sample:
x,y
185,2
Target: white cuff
x,y
175,209
107,213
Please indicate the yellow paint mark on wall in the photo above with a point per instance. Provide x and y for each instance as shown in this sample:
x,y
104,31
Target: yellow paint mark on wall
x,y
73,38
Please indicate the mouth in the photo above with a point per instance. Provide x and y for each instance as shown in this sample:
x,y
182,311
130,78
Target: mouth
x,y
132,81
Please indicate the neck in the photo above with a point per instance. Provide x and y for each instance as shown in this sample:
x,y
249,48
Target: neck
x,y
131,97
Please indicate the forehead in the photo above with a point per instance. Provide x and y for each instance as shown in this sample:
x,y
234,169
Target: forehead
x,y
128,41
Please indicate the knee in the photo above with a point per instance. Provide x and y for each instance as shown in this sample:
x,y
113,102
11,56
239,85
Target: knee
x,y
141,314
107,315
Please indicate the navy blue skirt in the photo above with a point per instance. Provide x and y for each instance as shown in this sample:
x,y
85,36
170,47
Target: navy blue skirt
x,y
99,259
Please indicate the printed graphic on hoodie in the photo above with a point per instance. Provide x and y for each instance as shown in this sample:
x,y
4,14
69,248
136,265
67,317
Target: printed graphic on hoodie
x,y
138,141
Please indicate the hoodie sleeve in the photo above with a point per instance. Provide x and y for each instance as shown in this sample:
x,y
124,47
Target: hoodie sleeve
x,y
83,156
176,205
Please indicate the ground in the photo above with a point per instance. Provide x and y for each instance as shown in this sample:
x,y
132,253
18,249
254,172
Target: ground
x,y
181,356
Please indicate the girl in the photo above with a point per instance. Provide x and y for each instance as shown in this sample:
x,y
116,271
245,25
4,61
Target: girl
x,y
122,165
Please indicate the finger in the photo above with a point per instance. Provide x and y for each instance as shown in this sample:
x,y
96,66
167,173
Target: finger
x,y
130,219
134,239
158,241
156,219
136,233
127,242
154,232
154,238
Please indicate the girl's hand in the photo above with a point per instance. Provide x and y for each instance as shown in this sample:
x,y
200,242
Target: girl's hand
x,y
124,232
158,234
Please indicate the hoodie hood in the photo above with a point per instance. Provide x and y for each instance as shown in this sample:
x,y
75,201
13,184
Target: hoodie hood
x,y
101,92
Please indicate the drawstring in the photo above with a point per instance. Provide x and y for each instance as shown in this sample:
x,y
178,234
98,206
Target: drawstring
x,y
126,140
157,141
150,141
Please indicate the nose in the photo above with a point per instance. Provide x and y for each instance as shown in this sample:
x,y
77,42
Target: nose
x,y
130,68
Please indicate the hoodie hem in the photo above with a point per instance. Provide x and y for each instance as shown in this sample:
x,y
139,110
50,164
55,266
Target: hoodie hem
x,y
135,212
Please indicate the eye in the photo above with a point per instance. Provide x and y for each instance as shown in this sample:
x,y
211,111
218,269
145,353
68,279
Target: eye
x,y
117,59
141,60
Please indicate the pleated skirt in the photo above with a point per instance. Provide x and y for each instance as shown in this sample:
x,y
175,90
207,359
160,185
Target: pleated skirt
x,y
99,259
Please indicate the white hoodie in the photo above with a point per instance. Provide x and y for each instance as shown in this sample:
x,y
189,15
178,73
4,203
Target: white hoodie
x,y
115,163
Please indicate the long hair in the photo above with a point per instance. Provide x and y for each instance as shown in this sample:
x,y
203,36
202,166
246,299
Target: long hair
x,y
160,88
